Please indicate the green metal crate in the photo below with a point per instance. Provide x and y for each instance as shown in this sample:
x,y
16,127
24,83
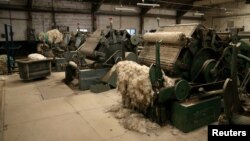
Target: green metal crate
x,y
189,116
33,69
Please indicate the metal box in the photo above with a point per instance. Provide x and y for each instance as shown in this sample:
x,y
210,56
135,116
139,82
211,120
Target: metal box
x,y
88,77
189,116
33,69
60,64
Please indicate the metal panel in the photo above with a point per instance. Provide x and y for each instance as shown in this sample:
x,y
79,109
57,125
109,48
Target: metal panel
x,y
29,69
188,116
88,77
60,64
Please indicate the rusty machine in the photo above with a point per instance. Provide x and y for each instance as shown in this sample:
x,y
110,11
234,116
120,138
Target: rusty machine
x,y
90,67
198,62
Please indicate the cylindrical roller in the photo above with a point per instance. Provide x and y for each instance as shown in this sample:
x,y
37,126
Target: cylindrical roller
x,y
130,56
165,37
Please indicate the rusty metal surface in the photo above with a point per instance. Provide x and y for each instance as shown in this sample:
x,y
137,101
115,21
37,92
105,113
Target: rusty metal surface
x,y
168,55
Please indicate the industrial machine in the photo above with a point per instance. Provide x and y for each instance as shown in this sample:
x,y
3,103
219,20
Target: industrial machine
x,y
197,62
91,65
61,48
236,98
10,48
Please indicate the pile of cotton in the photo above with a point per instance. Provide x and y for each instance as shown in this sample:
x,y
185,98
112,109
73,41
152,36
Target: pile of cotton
x,y
52,36
42,36
134,85
3,64
132,120
36,56
55,36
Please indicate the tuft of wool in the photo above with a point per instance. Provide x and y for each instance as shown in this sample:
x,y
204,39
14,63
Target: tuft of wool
x,y
3,64
168,81
134,85
55,36
132,120
36,56
73,64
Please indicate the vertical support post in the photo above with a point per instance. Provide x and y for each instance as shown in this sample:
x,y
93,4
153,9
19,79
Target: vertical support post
x,y
29,24
53,15
157,60
7,45
123,49
93,20
158,72
111,23
141,23
158,21
178,20
236,105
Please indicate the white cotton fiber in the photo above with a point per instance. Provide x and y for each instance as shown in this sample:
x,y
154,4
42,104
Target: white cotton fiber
x,y
134,84
55,36
132,120
36,56
3,64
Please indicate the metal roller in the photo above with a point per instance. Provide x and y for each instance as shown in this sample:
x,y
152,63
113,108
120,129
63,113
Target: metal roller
x,y
175,38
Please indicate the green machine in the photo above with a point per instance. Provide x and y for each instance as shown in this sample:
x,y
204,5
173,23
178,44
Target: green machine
x,y
90,67
189,67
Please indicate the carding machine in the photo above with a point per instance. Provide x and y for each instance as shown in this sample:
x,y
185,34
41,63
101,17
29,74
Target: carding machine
x,y
198,62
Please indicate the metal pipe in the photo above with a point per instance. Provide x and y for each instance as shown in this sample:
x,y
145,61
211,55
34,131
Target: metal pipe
x,y
244,57
236,101
214,92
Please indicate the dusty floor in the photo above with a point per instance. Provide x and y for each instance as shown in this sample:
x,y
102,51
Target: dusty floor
x,y
32,114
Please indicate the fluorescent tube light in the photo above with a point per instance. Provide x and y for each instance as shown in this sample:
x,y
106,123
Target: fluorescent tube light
x,y
198,14
148,4
124,9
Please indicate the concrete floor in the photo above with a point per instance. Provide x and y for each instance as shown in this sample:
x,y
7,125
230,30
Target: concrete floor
x,y
75,116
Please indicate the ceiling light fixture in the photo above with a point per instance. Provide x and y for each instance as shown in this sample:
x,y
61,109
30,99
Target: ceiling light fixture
x,y
228,12
148,4
124,9
197,13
